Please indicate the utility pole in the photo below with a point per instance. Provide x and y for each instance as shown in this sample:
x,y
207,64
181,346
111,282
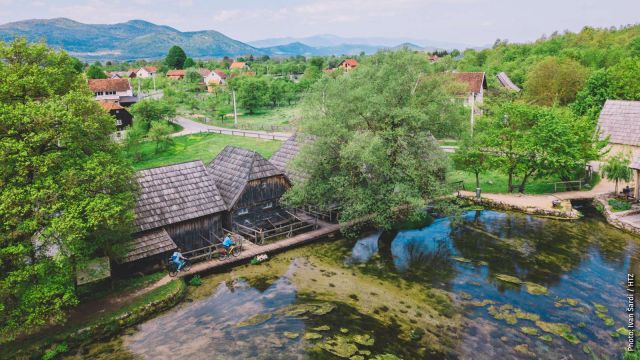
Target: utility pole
x,y
235,110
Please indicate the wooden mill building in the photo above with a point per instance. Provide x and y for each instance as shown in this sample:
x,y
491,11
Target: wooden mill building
x,y
250,185
283,158
178,206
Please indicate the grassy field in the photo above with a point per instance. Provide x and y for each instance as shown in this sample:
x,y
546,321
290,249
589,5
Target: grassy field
x,y
265,119
200,147
495,182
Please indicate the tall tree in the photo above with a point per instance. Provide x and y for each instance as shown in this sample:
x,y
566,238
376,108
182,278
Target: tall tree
x,y
175,58
554,81
472,157
617,169
66,192
189,63
252,92
374,150
591,99
96,72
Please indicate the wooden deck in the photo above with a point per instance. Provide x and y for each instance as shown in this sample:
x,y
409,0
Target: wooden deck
x,y
250,249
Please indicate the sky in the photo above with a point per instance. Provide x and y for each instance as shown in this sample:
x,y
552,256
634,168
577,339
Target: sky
x,y
470,22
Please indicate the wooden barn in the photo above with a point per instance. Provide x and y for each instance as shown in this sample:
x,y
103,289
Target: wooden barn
x,y
282,158
178,206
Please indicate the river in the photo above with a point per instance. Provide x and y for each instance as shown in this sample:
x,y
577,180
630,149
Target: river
x,y
488,285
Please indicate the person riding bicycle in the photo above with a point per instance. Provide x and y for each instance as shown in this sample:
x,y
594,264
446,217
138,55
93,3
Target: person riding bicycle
x,y
227,242
178,259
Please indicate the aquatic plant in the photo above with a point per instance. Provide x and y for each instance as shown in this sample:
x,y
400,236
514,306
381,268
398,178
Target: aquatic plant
x,y
321,328
536,289
509,279
312,336
255,320
524,350
291,335
195,281
529,330
600,308
460,259
340,347
559,329
365,340
546,337
482,303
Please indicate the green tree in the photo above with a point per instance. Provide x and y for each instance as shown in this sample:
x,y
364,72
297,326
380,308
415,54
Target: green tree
x,y
617,169
624,79
374,152
65,187
189,63
554,81
175,58
160,132
591,99
252,92
147,112
96,72
472,158
133,139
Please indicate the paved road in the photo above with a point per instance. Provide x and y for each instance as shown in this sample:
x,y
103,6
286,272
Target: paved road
x,y
194,127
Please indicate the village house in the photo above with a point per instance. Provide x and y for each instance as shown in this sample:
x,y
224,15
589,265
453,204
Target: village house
x,y
239,65
348,64
250,185
215,77
117,74
178,206
434,58
472,93
146,72
132,73
620,123
506,82
113,90
123,117
176,74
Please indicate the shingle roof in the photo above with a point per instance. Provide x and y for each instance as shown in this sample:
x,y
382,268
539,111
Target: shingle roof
x,y
475,81
350,62
204,72
287,152
506,82
234,167
150,69
620,120
149,244
176,73
237,65
175,193
109,85
110,105
221,73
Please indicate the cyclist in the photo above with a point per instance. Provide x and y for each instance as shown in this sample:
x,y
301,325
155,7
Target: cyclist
x,y
227,242
178,259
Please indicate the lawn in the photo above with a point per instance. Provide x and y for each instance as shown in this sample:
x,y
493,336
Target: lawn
x,y
276,119
200,147
495,182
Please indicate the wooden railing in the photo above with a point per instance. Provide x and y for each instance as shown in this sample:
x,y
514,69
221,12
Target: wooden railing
x,y
252,134
568,185
258,235
209,252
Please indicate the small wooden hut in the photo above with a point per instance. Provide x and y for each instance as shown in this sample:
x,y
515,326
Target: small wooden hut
x,y
250,185
178,206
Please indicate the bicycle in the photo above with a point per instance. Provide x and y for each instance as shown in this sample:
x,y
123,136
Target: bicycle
x,y
172,268
234,250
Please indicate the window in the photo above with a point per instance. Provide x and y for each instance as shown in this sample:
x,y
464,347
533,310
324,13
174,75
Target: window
x,y
268,205
243,211
118,122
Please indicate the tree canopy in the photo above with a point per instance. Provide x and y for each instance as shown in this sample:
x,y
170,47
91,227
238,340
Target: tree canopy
x,y
96,72
66,192
554,81
176,58
374,151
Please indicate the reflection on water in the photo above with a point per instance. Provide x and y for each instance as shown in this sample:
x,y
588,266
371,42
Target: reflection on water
x,y
527,287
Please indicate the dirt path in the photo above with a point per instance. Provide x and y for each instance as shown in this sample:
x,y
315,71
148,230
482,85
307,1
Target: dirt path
x,y
194,127
546,201
86,311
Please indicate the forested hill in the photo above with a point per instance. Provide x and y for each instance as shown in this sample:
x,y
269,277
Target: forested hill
x,y
592,48
131,40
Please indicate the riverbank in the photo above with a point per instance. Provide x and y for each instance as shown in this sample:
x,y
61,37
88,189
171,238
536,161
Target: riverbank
x,y
628,221
98,325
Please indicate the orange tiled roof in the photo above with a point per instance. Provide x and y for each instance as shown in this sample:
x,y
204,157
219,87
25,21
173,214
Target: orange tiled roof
x,y
101,85
110,105
176,73
350,62
475,80
238,65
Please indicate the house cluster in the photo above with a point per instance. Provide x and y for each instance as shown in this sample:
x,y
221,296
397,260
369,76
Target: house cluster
x,y
144,72
191,205
115,95
210,78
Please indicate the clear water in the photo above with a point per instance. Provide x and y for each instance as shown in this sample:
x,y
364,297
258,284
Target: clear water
x,y
427,293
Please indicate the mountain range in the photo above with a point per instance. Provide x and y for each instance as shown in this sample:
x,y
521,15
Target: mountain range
x,y
139,39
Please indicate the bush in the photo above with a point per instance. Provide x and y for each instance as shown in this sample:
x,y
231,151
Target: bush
x,y
619,205
55,351
195,281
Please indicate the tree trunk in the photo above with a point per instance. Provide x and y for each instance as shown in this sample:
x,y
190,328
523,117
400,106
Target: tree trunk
x,y
616,187
477,180
509,185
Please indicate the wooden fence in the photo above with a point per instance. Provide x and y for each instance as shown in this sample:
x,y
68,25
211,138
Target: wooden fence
x,y
259,235
251,134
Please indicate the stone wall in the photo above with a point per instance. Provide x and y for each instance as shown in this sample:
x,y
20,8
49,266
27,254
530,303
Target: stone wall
x,y
566,212
601,203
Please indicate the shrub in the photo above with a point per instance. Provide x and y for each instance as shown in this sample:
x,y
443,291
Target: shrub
x,y
55,351
619,205
195,281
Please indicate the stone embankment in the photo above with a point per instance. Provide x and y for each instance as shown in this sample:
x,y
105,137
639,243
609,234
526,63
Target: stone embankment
x,y
625,220
563,211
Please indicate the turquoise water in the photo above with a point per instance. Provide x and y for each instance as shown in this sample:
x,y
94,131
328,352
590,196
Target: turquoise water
x,y
490,285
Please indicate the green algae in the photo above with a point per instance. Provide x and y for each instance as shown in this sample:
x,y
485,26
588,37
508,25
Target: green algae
x,y
559,329
364,340
386,357
313,309
464,295
291,335
586,349
566,302
364,352
529,330
509,279
357,357
255,320
344,330
546,337
483,263
321,328
600,308
460,259
340,347
482,303
608,321
312,336
524,350
536,289
510,314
